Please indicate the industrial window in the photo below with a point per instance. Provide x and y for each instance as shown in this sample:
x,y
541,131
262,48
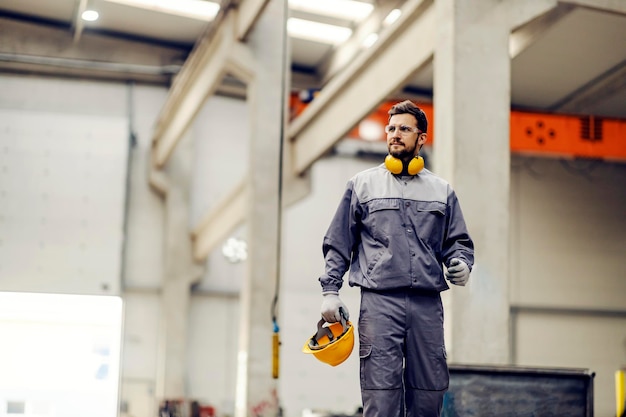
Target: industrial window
x,y
60,355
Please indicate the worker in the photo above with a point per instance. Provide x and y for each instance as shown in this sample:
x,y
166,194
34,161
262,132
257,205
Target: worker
x,y
395,228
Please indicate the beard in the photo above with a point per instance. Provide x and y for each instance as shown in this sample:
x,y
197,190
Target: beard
x,y
403,154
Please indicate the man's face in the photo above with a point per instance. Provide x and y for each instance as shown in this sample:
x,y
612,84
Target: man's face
x,y
404,143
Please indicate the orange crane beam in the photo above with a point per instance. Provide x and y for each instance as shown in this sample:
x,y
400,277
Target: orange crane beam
x,y
540,134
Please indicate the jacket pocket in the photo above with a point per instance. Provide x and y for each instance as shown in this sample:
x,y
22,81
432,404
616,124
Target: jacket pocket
x,y
372,264
430,221
433,207
383,216
384,204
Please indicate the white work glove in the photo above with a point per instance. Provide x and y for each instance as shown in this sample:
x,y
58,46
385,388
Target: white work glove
x,y
458,272
330,308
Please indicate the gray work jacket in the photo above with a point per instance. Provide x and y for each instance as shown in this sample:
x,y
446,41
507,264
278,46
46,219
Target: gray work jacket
x,y
395,231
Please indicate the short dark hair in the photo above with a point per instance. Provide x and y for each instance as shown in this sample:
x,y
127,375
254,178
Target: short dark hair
x,y
407,106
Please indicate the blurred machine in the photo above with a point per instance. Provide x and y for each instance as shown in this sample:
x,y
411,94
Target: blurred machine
x,y
518,391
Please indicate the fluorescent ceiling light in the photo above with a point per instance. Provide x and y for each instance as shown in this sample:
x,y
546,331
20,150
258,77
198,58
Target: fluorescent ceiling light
x,y
344,9
370,40
392,17
90,15
317,32
195,9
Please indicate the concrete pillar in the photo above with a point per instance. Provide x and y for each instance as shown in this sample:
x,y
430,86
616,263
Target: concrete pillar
x,y
180,272
471,104
256,388
472,108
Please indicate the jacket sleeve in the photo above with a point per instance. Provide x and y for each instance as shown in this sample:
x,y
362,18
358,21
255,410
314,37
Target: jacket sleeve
x,y
457,241
340,241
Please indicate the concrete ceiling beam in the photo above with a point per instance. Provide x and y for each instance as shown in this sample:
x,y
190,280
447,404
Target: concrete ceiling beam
x,y
364,84
529,33
597,90
344,53
198,79
248,13
207,66
216,54
230,212
28,50
219,222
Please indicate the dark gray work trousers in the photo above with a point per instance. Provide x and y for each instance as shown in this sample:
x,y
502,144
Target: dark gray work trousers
x,y
402,353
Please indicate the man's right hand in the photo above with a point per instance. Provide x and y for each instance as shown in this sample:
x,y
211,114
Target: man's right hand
x,y
330,308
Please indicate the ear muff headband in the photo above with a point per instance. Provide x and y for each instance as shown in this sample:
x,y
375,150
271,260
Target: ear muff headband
x,y
395,165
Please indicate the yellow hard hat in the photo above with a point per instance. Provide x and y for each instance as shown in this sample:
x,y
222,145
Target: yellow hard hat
x,y
331,344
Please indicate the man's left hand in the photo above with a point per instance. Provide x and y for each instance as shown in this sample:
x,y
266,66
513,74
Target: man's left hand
x,y
458,272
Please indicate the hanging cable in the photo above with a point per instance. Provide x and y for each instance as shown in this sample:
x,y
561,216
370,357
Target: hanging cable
x,y
276,333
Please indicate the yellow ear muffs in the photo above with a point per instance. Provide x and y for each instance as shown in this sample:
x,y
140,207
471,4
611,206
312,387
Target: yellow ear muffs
x,y
395,166
416,165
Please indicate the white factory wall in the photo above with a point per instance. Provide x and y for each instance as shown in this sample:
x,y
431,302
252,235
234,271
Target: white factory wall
x,y
568,286
63,181
568,241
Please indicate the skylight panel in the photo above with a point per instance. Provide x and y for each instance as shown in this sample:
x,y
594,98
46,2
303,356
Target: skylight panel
x,y
195,9
343,9
317,32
